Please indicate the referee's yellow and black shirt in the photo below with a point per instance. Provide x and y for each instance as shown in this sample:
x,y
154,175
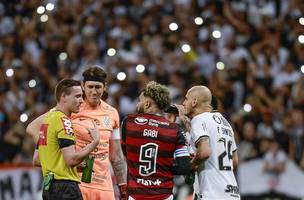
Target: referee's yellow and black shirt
x,y
56,132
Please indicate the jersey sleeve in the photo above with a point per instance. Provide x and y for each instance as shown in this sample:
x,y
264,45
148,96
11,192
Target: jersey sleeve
x,y
198,130
66,135
234,147
115,116
181,145
123,135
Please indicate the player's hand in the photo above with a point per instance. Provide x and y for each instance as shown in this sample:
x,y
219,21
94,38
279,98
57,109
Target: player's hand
x,y
123,191
94,132
171,117
81,166
183,117
181,110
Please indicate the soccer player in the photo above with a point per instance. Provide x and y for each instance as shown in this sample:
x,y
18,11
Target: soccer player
x,y
109,149
154,147
212,138
56,145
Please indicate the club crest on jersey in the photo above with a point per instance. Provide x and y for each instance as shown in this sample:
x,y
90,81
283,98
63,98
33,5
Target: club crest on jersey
x,y
67,125
141,120
107,122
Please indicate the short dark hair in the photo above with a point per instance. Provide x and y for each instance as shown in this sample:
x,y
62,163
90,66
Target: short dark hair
x,y
159,93
94,73
64,86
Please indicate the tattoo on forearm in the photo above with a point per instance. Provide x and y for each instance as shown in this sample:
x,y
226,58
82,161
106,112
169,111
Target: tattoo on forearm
x,y
186,122
119,167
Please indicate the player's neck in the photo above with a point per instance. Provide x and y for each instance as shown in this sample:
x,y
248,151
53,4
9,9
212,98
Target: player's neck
x,y
154,111
61,108
200,110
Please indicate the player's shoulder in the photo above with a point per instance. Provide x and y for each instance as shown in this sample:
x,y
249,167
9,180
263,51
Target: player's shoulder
x,y
108,108
55,117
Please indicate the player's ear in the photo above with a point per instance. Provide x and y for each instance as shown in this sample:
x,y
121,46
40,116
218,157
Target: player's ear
x,y
147,104
194,102
62,97
105,86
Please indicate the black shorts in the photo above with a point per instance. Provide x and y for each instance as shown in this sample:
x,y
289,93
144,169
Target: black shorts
x,y
62,190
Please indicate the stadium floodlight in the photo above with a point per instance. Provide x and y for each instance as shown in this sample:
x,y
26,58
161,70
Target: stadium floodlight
x,y
44,18
32,83
63,56
111,52
173,26
186,48
198,21
50,6
302,69
301,39
140,68
40,10
247,107
301,20
23,117
220,65
216,34
9,72
121,76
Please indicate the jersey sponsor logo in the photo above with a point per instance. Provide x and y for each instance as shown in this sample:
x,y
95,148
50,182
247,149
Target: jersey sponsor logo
x,y
141,120
150,133
147,182
232,189
156,123
43,134
67,125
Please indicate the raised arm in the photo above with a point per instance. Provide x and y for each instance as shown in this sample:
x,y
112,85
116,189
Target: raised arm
x,y
73,158
33,128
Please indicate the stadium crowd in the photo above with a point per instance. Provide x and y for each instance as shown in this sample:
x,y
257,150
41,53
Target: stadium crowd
x,y
250,54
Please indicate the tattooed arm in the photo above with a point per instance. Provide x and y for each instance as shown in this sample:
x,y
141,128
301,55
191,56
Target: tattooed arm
x,y
118,161
203,152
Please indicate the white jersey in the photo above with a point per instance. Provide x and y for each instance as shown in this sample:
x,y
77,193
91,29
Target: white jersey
x,y
215,179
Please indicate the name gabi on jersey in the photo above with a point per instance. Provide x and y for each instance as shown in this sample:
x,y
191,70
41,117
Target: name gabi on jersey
x,y
150,133
147,182
67,124
156,123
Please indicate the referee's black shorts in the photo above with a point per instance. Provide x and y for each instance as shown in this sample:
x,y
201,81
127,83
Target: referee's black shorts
x,y
62,190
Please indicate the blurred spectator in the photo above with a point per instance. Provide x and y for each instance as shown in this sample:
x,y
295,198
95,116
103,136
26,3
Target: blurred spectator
x,y
248,148
274,163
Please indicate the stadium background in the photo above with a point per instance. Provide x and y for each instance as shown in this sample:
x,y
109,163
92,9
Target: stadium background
x,y
250,53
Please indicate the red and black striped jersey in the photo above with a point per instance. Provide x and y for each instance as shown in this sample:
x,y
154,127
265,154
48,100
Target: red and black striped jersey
x,y
150,144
